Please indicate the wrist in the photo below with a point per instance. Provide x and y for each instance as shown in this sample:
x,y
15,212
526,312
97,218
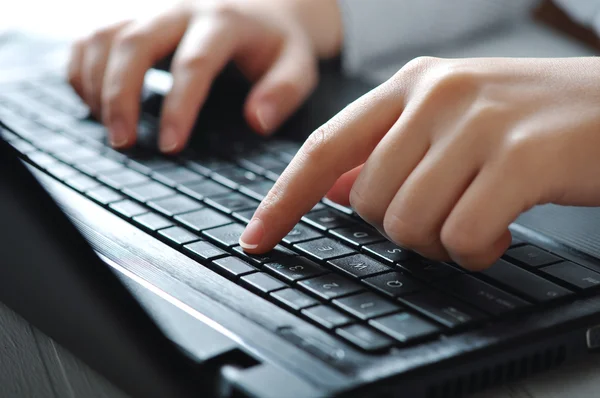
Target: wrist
x,y
322,22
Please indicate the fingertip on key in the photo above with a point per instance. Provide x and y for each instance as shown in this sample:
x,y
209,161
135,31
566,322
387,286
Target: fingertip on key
x,y
253,234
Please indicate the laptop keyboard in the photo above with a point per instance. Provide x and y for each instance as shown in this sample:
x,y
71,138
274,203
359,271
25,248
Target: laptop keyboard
x,y
332,269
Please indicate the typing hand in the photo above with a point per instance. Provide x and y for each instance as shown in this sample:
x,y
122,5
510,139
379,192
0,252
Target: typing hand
x,y
276,44
442,157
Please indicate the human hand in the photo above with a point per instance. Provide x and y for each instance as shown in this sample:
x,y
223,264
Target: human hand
x,y
443,156
276,44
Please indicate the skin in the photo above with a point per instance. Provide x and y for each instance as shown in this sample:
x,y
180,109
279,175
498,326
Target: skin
x,y
275,43
440,158
456,149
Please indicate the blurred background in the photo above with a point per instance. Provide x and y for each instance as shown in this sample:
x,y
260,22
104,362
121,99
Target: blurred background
x,y
59,21
63,19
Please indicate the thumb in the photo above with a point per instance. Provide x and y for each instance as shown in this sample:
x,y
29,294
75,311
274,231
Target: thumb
x,y
283,88
340,191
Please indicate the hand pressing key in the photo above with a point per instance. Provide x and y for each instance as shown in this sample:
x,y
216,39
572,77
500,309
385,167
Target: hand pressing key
x,y
276,44
443,156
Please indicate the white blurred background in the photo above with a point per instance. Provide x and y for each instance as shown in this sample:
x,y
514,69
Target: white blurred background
x,y
64,19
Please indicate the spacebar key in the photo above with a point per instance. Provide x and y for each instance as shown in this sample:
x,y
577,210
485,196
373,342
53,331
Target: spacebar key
x,y
524,282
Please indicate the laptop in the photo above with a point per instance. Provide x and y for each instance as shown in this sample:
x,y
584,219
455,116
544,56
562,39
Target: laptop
x,y
131,261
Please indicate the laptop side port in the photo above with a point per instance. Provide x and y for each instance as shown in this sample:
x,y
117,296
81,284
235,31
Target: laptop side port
x,y
592,337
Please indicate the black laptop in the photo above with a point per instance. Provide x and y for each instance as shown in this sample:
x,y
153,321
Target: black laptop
x,y
131,260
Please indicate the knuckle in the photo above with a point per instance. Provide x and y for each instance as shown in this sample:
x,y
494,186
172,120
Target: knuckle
x,y
453,79
481,115
196,62
318,144
403,233
226,10
457,241
418,65
100,36
517,152
364,207
130,38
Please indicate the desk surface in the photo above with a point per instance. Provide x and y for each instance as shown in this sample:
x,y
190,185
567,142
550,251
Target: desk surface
x,y
32,365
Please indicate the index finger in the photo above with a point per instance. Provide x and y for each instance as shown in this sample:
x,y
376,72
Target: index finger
x,y
336,147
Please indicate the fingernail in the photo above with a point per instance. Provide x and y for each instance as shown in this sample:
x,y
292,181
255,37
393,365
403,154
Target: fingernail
x,y
168,140
267,116
253,234
118,134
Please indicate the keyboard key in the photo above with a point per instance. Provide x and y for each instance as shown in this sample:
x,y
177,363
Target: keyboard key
x,y
148,191
394,283
404,327
95,166
277,254
228,235
176,175
330,286
148,165
244,216
205,250
574,275
293,299
366,305
301,233
387,252
531,256
261,163
206,165
295,268
81,182
233,267
428,270
77,154
358,235
482,295
317,207
55,143
114,155
262,283
444,309
235,201
173,205
327,317
524,282
178,235
200,190
7,135
22,146
359,266
203,219
286,150
516,242
128,208
258,190
62,171
327,219
119,179
104,195
41,159
324,248
152,222
364,337
234,176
